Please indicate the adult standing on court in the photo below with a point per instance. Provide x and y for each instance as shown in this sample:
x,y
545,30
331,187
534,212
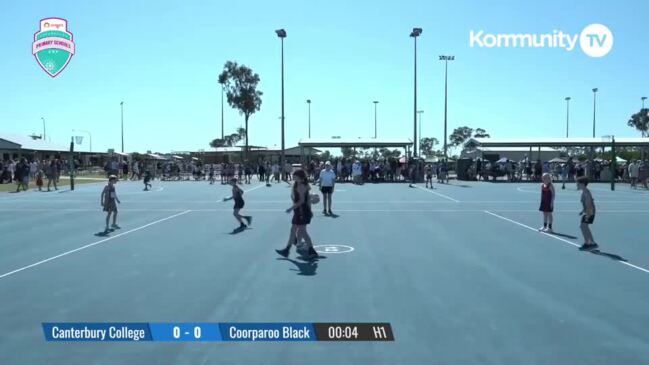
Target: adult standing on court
x,y
302,214
357,172
633,173
327,180
22,175
12,169
51,173
33,169
643,173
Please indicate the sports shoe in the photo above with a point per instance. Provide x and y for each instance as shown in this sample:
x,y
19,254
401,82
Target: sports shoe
x,y
312,253
248,219
588,247
543,229
549,230
283,252
115,226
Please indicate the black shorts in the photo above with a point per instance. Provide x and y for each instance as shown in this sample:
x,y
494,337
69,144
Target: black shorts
x,y
587,219
238,204
327,189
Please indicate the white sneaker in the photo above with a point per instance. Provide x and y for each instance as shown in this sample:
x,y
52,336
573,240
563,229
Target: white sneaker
x,y
543,229
549,230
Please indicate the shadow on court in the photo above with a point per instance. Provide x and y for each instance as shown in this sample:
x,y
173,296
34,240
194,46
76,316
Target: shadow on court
x,y
609,255
238,230
304,268
104,233
563,235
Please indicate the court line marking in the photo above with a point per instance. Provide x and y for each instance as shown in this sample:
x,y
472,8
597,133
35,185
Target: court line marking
x,y
282,210
557,238
574,190
351,249
423,202
91,244
436,193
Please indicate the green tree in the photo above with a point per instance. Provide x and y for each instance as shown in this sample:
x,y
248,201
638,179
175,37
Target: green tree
x,y
459,136
640,121
386,153
427,146
241,132
218,142
481,133
240,84
348,152
325,156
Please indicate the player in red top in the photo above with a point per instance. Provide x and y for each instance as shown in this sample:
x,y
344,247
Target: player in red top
x,y
547,202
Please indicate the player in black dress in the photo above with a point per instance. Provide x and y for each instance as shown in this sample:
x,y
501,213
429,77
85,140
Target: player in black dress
x,y
302,215
237,195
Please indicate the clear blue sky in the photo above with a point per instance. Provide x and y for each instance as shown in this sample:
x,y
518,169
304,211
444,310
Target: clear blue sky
x,y
162,59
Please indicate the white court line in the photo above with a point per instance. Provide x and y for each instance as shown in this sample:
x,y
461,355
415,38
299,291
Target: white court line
x,y
436,193
557,238
91,244
423,202
282,210
574,190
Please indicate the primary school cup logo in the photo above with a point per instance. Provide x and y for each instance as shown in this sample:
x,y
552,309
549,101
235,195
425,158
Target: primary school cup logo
x,y
53,45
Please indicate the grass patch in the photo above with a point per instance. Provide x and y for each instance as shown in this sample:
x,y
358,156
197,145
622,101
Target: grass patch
x,y
64,183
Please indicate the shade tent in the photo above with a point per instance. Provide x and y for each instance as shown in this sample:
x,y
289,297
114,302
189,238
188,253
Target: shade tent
x,y
557,160
558,142
356,142
155,157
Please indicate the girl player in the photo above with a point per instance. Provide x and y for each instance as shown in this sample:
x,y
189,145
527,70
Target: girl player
x,y
211,174
587,215
429,176
302,215
237,195
547,203
147,180
109,202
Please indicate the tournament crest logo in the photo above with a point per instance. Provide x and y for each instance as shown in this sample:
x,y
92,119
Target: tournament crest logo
x,y
53,45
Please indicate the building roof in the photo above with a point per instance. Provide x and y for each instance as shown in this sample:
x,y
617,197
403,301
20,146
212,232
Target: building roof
x,y
237,149
355,142
558,142
28,143
515,149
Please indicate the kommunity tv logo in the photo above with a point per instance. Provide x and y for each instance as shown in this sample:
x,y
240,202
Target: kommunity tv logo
x,y
595,40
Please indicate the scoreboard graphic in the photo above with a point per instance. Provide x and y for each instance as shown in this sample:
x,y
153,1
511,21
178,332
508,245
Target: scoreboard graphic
x,y
216,332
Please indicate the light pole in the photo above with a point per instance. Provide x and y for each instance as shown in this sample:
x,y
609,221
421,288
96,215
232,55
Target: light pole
x,y
643,99
281,33
308,101
89,136
416,32
446,59
122,105
43,128
567,114
222,120
376,102
594,108
420,112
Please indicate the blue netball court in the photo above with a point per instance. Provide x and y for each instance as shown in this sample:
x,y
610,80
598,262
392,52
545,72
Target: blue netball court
x,y
460,272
